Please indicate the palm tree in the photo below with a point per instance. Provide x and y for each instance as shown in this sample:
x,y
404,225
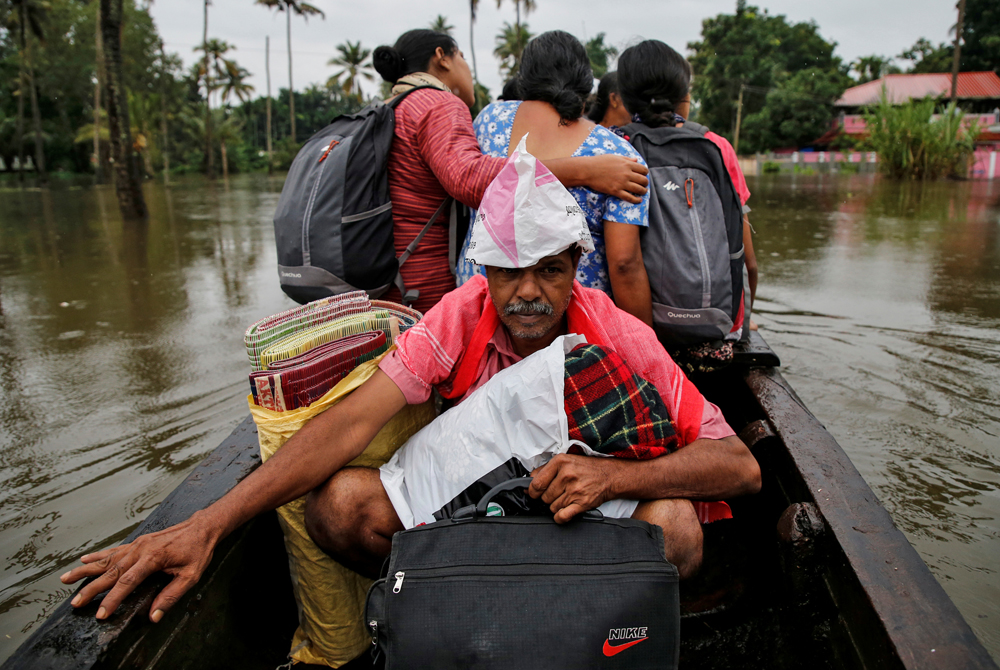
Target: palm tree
x,y
473,7
128,181
440,25
233,83
509,45
600,54
529,6
304,10
27,19
210,166
212,71
354,61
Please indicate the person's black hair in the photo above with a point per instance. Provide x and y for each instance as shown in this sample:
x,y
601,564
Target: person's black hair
x,y
653,79
609,85
555,69
411,53
511,90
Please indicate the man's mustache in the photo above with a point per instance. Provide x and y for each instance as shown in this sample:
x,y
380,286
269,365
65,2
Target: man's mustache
x,y
524,307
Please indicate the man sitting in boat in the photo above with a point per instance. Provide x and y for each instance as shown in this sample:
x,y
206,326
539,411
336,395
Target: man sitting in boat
x,y
528,299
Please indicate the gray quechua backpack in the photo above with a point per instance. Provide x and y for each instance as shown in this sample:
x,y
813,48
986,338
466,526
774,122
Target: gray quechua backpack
x,y
333,222
693,248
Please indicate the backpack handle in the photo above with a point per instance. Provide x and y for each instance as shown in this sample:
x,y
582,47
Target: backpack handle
x,y
523,483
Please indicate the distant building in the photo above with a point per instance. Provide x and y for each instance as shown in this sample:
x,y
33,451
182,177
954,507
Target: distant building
x,y
978,94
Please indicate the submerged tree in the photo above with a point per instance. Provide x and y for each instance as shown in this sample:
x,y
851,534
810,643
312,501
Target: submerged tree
x,y
913,143
27,19
128,180
305,10
353,60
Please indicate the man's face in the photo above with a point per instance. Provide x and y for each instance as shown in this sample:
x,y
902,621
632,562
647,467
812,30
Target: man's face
x,y
531,301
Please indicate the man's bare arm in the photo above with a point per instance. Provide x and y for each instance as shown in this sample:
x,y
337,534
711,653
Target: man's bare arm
x,y
309,458
703,470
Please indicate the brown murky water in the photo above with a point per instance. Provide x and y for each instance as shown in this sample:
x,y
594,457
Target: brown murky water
x,y
122,364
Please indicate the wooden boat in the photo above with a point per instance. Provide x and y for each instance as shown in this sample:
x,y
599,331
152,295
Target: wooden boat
x,y
811,573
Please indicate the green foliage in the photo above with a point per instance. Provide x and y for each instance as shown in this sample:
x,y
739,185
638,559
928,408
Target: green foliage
x,y
980,46
440,25
796,111
913,145
600,54
753,48
770,167
981,32
509,44
928,58
870,68
355,64
482,99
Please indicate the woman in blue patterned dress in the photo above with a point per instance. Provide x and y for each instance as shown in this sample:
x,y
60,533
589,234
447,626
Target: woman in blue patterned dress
x,y
555,79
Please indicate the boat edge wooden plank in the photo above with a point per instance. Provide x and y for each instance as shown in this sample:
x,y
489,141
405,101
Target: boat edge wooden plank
x,y
74,639
929,632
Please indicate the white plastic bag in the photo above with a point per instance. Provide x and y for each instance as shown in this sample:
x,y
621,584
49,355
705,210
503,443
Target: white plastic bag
x,y
519,413
526,215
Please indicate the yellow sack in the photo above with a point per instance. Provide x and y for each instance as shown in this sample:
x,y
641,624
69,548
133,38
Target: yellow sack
x,y
330,598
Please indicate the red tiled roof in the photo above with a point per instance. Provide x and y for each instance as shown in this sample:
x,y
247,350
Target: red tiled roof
x,y
902,87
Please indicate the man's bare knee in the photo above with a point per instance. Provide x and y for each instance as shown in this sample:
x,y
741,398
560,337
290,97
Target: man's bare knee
x,y
351,518
683,540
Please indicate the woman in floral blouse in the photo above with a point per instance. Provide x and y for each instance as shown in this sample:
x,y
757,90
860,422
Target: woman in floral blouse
x,y
555,79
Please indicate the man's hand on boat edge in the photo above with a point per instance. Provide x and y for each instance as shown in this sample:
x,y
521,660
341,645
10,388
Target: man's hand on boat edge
x,y
182,551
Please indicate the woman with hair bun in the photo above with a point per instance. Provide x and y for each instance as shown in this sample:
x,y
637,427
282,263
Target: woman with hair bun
x,y
655,83
608,108
554,80
434,155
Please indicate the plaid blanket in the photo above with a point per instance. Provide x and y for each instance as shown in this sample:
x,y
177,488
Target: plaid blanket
x,y
611,409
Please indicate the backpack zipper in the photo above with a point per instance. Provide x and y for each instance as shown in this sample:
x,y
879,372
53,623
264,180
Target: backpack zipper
x,y
699,238
532,570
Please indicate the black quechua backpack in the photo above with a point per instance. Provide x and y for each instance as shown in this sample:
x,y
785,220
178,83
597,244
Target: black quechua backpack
x,y
693,248
333,222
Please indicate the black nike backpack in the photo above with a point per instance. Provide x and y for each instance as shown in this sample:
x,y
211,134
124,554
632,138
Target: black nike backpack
x,y
693,247
333,222
498,592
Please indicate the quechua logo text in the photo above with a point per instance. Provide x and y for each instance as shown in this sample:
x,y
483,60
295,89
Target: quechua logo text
x,y
620,639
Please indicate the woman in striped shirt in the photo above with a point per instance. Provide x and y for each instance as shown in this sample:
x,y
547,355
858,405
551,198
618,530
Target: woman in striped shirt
x,y
435,155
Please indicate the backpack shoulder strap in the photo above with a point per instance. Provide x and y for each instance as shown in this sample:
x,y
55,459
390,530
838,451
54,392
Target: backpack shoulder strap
x,y
395,100
696,127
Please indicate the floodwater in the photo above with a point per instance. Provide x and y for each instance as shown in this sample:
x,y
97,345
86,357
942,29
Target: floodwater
x,y
122,365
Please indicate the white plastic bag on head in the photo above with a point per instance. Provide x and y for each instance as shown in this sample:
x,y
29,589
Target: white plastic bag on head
x,y
526,215
519,413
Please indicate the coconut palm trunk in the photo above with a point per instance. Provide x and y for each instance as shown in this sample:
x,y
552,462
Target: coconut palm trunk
x,y
36,118
21,84
209,162
128,180
164,135
472,48
291,87
267,68
99,58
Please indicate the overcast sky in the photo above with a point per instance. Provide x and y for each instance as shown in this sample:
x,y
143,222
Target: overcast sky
x,y
859,27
